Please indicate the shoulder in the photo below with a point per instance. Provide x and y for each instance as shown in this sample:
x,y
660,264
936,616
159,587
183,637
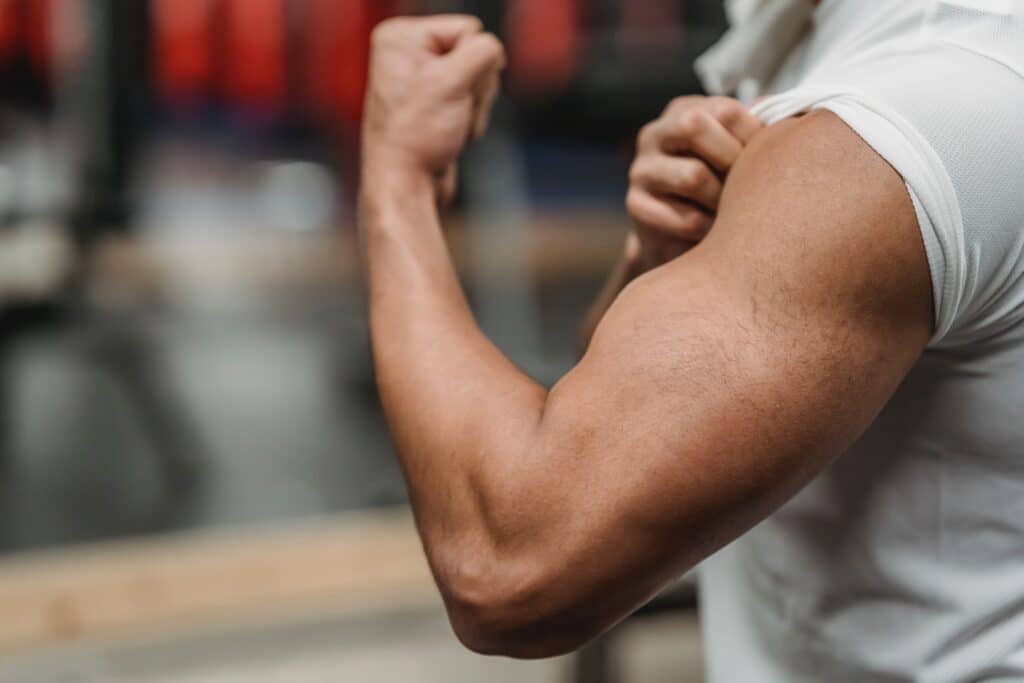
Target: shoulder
x,y
815,248
957,137
825,216
947,119
812,281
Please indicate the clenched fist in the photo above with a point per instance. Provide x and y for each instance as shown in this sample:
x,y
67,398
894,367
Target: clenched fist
x,y
433,81
676,180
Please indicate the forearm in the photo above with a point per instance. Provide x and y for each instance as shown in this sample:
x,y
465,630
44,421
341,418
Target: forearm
x,y
455,404
494,464
472,432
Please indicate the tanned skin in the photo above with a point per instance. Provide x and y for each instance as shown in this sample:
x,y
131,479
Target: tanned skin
x,y
715,387
676,184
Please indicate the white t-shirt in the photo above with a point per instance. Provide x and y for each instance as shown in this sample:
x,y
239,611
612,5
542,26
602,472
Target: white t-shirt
x,y
904,560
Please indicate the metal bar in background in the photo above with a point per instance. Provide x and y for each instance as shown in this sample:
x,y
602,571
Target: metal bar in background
x,y
105,105
102,105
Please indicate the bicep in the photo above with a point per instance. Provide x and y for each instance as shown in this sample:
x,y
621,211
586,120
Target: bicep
x,y
721,383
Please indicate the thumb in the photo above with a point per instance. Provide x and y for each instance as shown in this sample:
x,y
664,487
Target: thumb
x,y
445,31
487,95
475,58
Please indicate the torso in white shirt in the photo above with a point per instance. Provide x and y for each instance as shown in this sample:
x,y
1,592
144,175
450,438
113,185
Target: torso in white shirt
x,y
904,560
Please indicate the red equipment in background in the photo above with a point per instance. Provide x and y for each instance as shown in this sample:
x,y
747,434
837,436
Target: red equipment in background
x,y
26,31
253,53
544,42
255,73
38,25
339,55
8,31
183,49
232,50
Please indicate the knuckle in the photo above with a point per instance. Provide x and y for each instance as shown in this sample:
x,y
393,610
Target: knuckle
x,y
727,110
691,176
680,104
386,29
645,135
632,197
473,23
493,45
379,35
635,204
643,209
387,25
690,123
692,225
637,172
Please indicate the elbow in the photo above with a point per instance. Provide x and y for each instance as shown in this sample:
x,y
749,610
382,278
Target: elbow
x,y
505,609
481,632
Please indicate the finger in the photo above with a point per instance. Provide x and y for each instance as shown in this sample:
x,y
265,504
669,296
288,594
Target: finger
x,y
485,99
697,132
682,177
633,247
736,118
683,103
444,32
448,186
668,217
476,58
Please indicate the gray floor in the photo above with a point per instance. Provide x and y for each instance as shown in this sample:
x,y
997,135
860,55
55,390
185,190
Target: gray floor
x,y
414,648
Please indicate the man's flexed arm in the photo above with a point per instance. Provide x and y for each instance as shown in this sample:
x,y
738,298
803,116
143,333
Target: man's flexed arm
x,y
714,389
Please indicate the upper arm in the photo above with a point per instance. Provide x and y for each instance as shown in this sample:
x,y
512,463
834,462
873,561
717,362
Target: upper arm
x,y
751,362
721,383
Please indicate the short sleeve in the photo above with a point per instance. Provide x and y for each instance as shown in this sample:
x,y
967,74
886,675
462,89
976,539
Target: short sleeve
x,y
948,120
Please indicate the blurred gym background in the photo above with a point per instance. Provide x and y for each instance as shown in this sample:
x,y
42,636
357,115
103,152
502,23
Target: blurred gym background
x,y
196,482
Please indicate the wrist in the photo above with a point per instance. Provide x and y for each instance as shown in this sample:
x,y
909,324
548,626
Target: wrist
x,y
386,176
395,203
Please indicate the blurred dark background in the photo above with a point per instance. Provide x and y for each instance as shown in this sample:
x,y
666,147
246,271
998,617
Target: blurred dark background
x,y
182,341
